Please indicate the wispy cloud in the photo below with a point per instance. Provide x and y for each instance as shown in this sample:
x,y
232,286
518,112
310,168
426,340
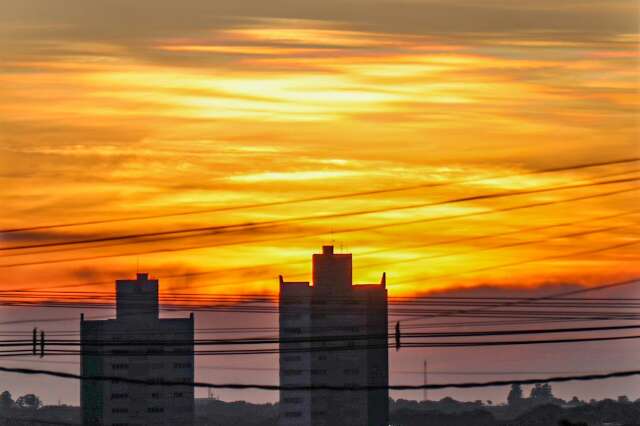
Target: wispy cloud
x,y
104,115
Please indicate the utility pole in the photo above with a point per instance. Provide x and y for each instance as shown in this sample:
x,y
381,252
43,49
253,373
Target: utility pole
x,y
426,381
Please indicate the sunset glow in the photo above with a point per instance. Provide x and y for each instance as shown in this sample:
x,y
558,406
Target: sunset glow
x,y
480,160
265,110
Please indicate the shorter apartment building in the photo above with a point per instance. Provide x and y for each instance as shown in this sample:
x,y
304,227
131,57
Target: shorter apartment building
x,y
139,345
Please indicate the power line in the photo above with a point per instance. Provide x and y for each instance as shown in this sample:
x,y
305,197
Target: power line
x,y
218,367
443,242
304,339
339,231
251,225
505,245
64,375
527,261
310,339
550,296
509,232
322,198
539,259
465,324
350,347
106,300
475,312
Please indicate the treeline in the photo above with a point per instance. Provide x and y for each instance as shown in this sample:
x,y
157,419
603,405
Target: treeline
x,y
600,413
541,408
27,410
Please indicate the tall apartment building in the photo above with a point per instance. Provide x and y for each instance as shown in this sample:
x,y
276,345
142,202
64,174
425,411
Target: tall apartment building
x,y
333,333
137,344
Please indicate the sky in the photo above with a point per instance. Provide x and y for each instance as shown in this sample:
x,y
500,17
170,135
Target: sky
x,y
118,110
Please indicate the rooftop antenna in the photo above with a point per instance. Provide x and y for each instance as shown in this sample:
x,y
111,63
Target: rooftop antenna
x,y
426,381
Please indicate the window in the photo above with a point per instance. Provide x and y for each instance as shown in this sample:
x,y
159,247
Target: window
x,y
318,372
182,365
291,372
120,366
292,358
292,400
293,414
178,394
119,395
351,371
119,410
155,395
155,410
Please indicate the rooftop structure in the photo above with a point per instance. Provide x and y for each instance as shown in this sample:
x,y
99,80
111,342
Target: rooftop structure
x,y
137,344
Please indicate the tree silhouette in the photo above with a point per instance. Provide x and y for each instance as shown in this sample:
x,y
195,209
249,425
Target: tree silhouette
x,y
29,401
6,401
515,395
541,392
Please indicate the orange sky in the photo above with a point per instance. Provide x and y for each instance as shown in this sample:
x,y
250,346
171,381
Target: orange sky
x,y
112,109
108,112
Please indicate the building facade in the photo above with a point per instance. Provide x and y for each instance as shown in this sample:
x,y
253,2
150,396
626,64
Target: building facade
x,y
139,345
333,333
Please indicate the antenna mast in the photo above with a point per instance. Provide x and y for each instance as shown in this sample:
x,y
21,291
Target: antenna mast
x,y
426,381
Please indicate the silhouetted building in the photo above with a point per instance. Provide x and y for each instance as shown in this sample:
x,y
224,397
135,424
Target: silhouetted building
x,y
137,345
341,333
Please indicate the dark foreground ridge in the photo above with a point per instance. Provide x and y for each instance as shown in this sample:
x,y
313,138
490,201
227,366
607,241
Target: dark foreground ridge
x,y
445,412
